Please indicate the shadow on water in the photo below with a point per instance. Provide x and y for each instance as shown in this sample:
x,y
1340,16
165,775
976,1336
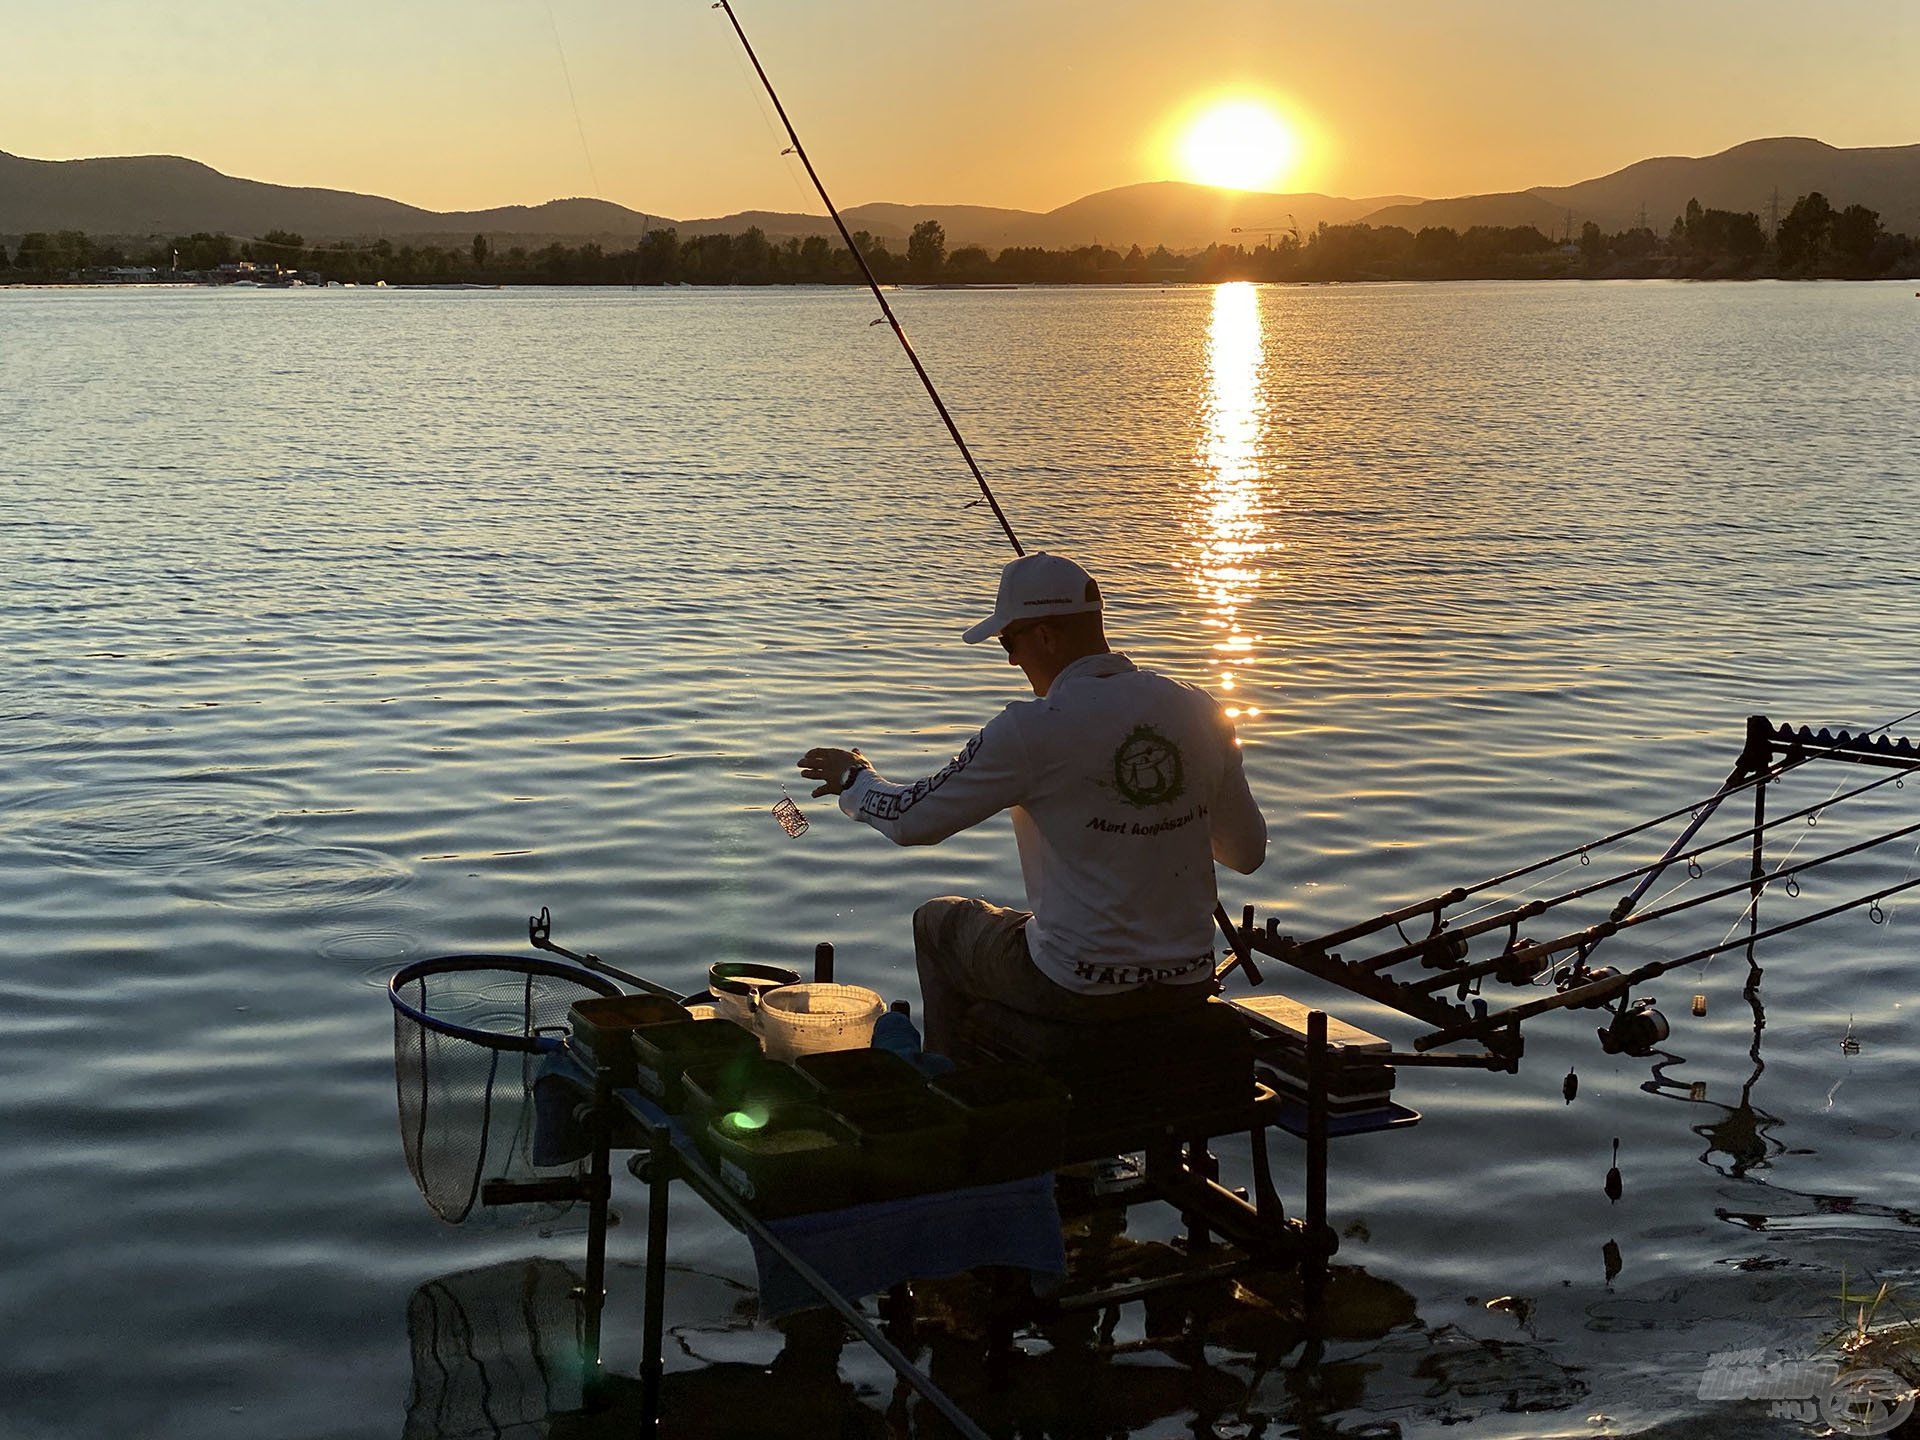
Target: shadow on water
x,y
496,1353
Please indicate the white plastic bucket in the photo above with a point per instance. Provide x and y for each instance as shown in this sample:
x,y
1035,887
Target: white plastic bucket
x,y
806,1019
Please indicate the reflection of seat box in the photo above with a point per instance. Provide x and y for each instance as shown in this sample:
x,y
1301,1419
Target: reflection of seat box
x,y
912,1142
800,1159
603,1027
1015,1117
663,1053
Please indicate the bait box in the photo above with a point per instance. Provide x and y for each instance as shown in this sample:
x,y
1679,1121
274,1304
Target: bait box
x,y
777,1177
1015,1117
664,1053
857,1074
603,1027
749,1082
912,1142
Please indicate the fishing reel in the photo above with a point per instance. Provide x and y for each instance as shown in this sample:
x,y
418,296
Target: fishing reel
x,y
1520,963
1581,976
1636,1029
1442,951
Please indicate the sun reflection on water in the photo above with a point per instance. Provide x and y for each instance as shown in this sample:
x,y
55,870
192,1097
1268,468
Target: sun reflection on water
x,y
1228,520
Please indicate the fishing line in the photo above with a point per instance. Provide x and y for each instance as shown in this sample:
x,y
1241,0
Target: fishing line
x,y
1690,809
1689,858
1585,939
567,75
1684,857
1812,814
753,88
1807,752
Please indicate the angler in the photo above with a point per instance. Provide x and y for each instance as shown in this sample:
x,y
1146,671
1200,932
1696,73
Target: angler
x,y
1125,787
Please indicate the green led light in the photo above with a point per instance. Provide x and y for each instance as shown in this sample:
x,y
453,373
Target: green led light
x,y
745,1120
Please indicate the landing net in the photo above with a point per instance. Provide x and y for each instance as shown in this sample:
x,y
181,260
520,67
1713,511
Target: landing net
x,y
469,1033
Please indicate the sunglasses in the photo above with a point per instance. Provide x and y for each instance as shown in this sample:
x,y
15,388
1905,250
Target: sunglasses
x,y
1014,632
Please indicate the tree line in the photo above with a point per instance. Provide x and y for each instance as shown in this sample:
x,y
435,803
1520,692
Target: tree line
x,y
1812,240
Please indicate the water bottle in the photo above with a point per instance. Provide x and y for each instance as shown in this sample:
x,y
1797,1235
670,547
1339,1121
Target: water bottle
x,y
896,1033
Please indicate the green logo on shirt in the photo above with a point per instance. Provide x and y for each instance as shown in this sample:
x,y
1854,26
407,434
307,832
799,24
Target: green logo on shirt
x,y
1147,769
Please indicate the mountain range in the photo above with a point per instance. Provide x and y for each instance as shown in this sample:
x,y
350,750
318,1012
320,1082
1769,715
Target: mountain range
x,y
161,195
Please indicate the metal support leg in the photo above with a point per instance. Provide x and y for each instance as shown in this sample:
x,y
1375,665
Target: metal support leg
x,y
1266,1198
1758,874
1313,1274
599,1189
653,1324
1200,1164
896,1312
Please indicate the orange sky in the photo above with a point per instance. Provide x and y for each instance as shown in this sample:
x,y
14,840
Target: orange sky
x,y
466,105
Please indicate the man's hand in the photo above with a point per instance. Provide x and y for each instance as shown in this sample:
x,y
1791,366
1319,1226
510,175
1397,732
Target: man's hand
x,y
835,769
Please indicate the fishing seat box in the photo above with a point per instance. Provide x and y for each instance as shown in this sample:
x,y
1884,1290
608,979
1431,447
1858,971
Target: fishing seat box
x,y
1127,1079
1359,1080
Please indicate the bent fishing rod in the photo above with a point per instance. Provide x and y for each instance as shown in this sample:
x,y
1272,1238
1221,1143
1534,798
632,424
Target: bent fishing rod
x,y
1242,952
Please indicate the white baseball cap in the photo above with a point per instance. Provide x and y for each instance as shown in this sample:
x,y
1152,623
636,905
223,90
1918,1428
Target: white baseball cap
x,y
1035,586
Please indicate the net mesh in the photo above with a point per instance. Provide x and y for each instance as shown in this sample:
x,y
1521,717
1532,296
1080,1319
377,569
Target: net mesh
x,y
496,1352
466,1093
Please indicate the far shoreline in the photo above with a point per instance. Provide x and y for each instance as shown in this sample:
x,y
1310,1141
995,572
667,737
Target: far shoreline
x,y
1003,286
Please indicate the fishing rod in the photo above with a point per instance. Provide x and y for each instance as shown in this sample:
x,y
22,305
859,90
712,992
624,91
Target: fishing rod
x,y
1242,952
872,284
1807,750
1604,988
1517,956
1532,908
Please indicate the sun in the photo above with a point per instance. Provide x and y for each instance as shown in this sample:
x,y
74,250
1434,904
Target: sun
x,y
1239,145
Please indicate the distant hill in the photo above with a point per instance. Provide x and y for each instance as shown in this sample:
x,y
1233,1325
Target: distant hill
x,y
147,195
1884,178
1161,212
1191,217
160,195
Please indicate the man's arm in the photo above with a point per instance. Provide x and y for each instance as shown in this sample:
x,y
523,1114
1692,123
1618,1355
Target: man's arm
x,y
1239,830
988,775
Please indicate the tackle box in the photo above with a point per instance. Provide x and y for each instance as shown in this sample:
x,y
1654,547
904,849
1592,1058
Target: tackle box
x,y
664,1053
603,1027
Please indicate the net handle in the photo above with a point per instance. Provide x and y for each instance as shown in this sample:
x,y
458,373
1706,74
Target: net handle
x,y
492,1039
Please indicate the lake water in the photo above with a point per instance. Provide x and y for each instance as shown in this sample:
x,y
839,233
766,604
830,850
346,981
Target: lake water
x,y
349,627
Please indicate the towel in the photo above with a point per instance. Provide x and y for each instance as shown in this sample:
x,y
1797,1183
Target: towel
x,y
860,1250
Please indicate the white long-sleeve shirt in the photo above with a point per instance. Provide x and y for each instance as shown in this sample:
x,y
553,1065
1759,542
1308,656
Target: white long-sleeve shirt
x,y
1125,787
